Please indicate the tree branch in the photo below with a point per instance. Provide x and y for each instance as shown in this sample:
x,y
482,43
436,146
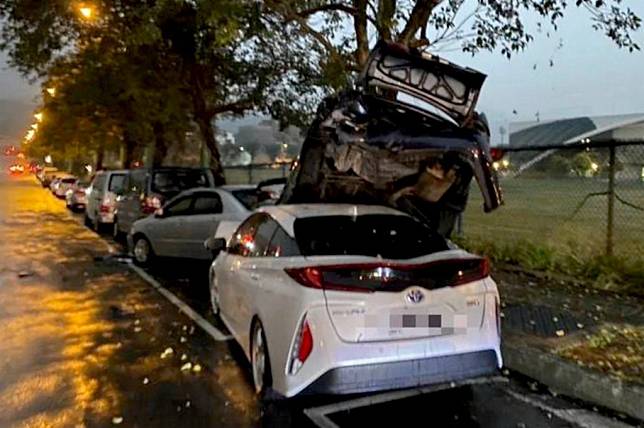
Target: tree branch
x,y
417,19
327,8
360,27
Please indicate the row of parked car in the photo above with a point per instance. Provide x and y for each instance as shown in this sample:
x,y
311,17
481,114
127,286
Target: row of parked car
x,y
349,282
165,212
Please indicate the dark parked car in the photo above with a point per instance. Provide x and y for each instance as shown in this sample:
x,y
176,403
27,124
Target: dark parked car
x,y
147,190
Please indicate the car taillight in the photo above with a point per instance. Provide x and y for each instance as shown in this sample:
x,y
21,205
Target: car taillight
x,y
104,208
372,277
150,204
302,347
79,192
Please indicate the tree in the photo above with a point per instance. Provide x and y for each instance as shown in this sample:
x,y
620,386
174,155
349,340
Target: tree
x,y
344,30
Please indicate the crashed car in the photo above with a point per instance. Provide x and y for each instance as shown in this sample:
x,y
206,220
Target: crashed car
x,y
348,284
409,138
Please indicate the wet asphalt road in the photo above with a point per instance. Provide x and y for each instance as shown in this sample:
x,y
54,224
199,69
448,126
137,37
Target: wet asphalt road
x,y
85,341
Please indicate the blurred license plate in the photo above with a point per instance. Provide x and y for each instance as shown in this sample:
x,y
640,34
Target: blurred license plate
x,y
415,320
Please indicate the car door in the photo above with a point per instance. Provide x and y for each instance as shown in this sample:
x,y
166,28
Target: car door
x,y
231,277
168,234
207,211
130,200
96,196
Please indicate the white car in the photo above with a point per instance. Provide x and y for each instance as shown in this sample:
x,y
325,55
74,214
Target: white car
x,y
180,228
334,298
60,185
101,198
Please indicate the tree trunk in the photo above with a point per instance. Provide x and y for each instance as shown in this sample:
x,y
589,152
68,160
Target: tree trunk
x,y
160,144
100,156
208,135
360,27
203,118
128,151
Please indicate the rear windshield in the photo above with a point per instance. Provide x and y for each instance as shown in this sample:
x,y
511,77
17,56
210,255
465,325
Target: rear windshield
x,y
117,183
175,181
68,180
253,198
375,235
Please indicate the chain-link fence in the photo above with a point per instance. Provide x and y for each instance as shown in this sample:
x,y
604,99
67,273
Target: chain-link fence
x,y
254,173
584,199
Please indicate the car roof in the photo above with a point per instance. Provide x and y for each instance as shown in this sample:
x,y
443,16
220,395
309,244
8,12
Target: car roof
x,y
288,213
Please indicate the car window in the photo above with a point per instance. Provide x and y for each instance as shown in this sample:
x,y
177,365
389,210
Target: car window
x,y
117,183
263,235
377,235
243,240
99,182
179,207
69,180
174,181
207,204
136,181
282,245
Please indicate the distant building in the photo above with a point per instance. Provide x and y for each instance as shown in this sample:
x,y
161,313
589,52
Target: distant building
x,y
620,128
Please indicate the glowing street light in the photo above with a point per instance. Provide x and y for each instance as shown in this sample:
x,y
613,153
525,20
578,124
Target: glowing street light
x,y
48,159
86,12
594,166
38,117
51,91
30,135
34,126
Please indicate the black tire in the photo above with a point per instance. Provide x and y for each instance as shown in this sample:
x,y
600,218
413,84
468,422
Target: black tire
x,y
138,243
117,235
264,391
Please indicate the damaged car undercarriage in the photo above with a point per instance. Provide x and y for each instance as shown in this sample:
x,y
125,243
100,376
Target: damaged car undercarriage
x,y
409,138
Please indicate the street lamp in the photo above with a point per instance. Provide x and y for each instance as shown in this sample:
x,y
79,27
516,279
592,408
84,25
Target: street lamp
x,y
86,12
38,117
51,91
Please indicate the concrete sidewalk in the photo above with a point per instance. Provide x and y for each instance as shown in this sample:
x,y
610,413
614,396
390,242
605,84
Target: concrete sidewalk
x,y
543,318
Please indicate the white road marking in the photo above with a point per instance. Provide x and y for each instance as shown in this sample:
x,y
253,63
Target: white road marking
x,y
206,326
578,417
319,414
214,332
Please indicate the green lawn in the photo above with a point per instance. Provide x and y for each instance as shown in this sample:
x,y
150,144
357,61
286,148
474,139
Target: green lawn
x,y
542,211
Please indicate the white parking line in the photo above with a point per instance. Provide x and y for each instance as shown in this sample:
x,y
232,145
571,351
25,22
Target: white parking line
x,y
578,417
212,331
319,414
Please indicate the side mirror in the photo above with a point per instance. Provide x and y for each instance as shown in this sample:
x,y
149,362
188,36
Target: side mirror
x,y
215,245
159,213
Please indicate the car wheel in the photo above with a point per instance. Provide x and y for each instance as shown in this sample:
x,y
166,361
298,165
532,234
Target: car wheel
x,y
214,296
116,233
260,360
142,251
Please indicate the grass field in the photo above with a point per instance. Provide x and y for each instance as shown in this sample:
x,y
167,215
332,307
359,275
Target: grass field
x,y
542,212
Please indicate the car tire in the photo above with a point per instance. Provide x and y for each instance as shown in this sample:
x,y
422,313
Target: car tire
x,y
87,221
260,362
142,251
117,235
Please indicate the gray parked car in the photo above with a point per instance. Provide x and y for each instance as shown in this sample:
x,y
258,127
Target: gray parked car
x,y
148,189
180,227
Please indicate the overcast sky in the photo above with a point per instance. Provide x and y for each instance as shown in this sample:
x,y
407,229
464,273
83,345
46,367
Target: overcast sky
x,y
589,76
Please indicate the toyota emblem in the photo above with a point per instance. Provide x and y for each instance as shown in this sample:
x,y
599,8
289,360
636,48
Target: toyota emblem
x,y
415,296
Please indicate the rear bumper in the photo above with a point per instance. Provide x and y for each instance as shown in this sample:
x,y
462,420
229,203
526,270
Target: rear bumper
x,y
405,374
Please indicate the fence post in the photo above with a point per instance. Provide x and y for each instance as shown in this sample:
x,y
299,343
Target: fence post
x,y
611,201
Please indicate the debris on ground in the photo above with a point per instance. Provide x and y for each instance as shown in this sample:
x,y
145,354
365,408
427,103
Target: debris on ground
x,y
167,353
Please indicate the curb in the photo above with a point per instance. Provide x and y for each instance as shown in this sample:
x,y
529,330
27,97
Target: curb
x,y
575,381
